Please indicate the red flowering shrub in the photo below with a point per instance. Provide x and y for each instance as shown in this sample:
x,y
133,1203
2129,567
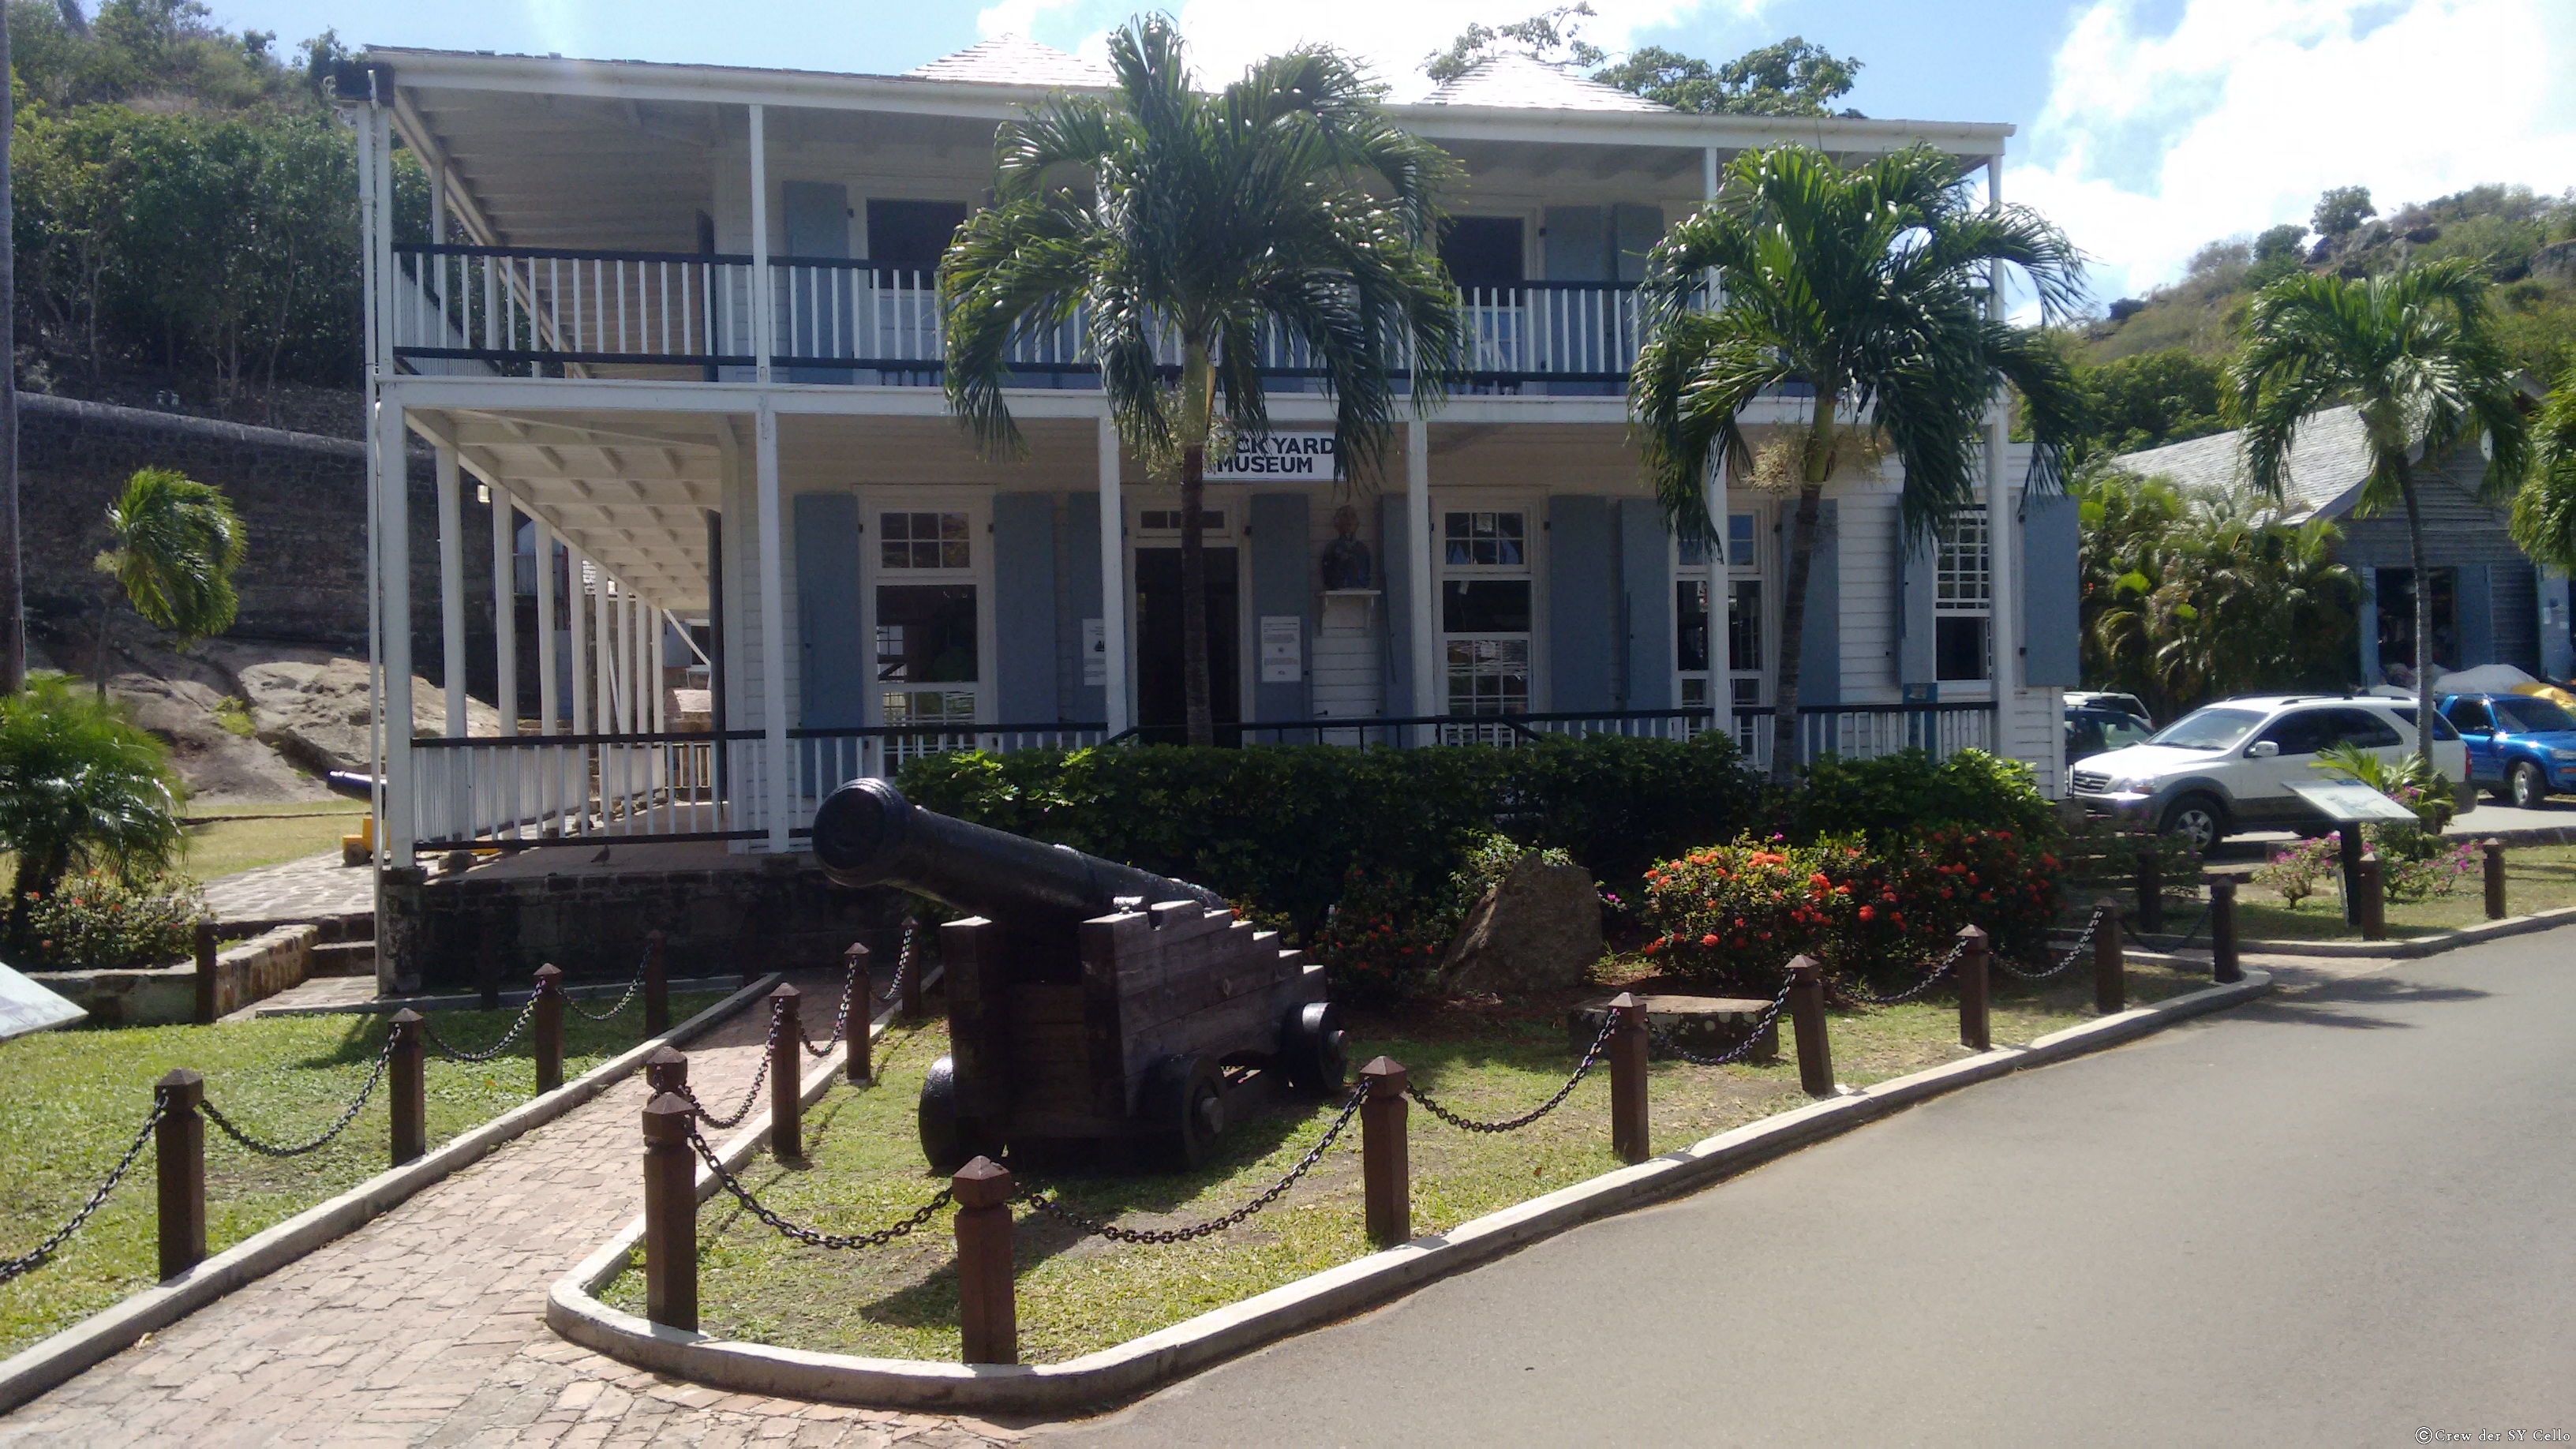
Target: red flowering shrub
x,y
1380,945
1735,914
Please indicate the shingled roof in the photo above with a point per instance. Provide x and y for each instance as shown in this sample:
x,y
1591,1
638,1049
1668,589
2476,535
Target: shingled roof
x,y
1516,80
1012,60
2329,458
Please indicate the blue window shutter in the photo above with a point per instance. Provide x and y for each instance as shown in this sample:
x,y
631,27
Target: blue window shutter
x,y
819,318
1646,578
2368,632
1637,229
1024,640
2051,593
1582,605
1280,587
1396,563
2473,602
1917,663
1082,590
833,664
1577,245
1820,657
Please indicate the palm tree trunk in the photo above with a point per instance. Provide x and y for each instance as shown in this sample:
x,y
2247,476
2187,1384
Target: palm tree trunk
x,y
1200,719
2423,616
1793,589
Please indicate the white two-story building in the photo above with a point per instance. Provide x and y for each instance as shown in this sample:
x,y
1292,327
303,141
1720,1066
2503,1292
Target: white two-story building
x,y
680,320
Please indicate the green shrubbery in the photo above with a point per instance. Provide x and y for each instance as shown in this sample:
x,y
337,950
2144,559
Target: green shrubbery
x,y
99,920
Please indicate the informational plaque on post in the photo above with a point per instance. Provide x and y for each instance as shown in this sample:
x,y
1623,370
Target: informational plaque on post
x,y
2352,802
26,1006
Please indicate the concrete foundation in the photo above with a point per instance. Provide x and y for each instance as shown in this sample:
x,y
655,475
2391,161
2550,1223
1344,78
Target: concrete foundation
x,y
250,971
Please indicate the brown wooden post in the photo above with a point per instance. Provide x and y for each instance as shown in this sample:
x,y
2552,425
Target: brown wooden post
x,y
548,1028
409,1135
786,1090
2223,964
2151,890
1385,1169
2374,899
909,999
208,1007
667,1070
859,1068
657,983
1628,1079
2494,852
1807,1016
487,969
988,1310
2110,963
670,1214
1975,1031
179,1144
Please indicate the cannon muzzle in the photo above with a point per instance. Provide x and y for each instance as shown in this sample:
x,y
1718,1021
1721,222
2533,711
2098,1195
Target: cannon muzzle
x,y
867,834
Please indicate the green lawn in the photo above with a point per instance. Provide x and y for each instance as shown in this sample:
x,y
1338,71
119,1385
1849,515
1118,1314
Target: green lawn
x,y
77,1097
228,846
2537,878
1080,1293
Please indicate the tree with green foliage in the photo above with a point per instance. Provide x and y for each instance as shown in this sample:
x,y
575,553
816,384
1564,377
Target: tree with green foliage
x,y
2544,508
1791,78
1869,285
2341,211
2412,352
173,544
2146,401
1551,38
1169,222
80,787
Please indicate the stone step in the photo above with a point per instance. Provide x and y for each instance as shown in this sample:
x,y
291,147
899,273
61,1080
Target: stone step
x,y
344,958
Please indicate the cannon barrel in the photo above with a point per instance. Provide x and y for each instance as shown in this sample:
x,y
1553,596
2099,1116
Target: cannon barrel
x,y
867,834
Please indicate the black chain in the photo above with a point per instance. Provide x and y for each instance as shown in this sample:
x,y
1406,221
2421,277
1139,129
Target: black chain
x,y
2073,955
798,1231
623,1002
527,1013
840,1019
734,1119
903,962
2144,944
1609,1023
1753,1038
1939,969
348,1114
18,1267
1040,1202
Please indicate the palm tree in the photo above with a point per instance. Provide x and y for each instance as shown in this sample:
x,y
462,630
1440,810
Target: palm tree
x,y
174,543
2544,511
79,786
1871,286
1287,205
2412,352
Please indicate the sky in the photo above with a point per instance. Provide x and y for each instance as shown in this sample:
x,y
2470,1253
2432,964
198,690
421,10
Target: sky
x,y
2146,127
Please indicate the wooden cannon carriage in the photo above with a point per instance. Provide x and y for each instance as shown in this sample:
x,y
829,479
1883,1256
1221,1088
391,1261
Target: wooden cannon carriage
x,y
1088,1002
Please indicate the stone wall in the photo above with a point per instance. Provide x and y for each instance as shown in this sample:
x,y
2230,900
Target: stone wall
x,y
251,971
776,915
302,498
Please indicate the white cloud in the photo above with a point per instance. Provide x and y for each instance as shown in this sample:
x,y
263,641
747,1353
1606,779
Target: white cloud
x,y
2152,145
1227,35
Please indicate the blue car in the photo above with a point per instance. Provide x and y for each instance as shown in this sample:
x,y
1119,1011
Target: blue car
x,y
2522,748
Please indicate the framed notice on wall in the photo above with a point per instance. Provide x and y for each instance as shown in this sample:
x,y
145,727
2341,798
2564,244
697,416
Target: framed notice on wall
x,y
1283,640
1095,654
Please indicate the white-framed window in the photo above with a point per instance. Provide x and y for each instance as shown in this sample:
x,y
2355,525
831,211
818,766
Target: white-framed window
x,y
1963,600
1740,630
1488,588
927,612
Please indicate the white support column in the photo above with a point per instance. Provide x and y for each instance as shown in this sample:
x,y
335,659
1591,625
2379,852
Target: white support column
x,y
393,519
579,628
1113,581
549,712
2003,538
773,621
763,300
1426,591
505,611
657,710
638,693
451,590
603,618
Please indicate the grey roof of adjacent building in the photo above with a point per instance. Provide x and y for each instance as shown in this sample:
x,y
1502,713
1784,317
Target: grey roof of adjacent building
x,y
1515,80
1012,60
2329,459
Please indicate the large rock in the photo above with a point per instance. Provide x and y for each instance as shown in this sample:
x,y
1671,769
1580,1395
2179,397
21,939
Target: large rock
x,y
314,710
221,767
1539,928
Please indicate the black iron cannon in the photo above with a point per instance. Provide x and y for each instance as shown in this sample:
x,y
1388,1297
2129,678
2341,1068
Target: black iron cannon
x,y
1088,1001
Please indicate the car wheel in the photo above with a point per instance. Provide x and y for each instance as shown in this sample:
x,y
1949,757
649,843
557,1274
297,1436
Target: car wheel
x,y
2198,819
2528,786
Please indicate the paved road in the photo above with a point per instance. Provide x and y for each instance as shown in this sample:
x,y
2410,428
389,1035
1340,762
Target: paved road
x,y
2339,1217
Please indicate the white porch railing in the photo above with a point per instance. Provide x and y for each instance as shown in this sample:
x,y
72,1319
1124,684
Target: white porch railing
x,y
1870,731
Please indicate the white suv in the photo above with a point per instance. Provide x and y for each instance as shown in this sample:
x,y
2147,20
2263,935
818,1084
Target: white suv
x,y
2228,766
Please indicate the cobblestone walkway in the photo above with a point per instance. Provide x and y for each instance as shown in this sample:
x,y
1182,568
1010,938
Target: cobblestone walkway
x,y
297,890
427,1325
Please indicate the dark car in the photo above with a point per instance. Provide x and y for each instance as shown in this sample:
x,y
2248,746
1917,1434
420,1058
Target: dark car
x,y
2520,746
